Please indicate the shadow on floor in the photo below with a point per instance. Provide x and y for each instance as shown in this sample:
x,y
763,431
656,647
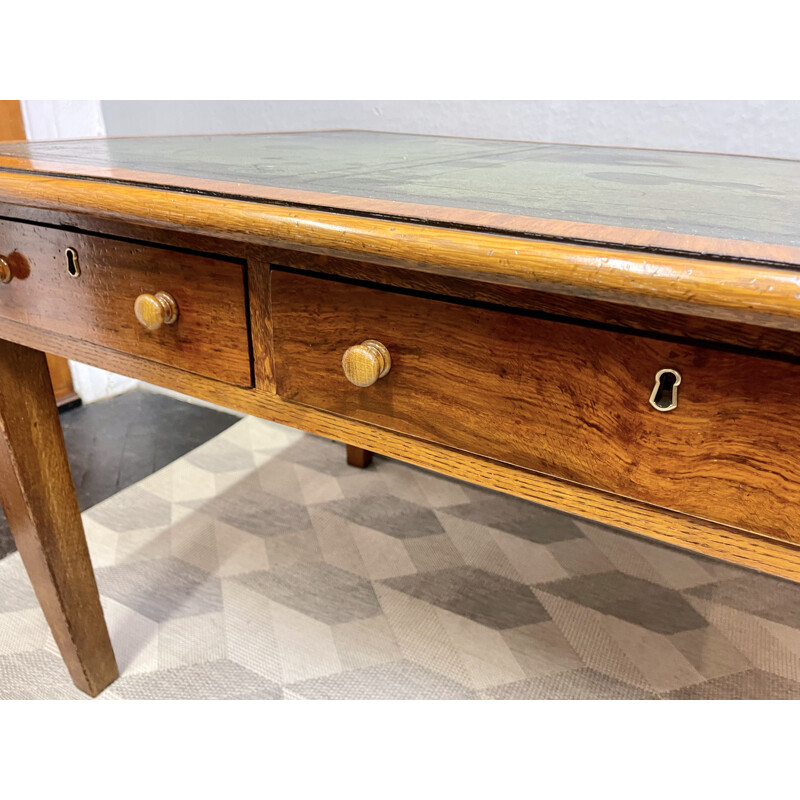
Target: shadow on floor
x,y
116,442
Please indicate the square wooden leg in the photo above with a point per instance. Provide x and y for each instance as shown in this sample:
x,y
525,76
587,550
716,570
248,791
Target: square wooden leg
x,y
356,457
39,499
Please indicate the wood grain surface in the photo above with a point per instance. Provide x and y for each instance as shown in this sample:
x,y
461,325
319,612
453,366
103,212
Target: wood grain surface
x,y
739,546
735,206
365,363
39,501
12,127
737,292
564,399
210,337
567,279
753,337
61,378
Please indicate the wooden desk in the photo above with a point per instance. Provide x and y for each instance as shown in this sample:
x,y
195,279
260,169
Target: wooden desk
x,y
613,333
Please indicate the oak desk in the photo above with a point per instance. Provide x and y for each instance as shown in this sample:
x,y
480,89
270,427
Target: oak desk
x,y
614,333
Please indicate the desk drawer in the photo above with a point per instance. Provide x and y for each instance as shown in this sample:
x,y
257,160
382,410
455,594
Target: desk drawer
x,y
565,399
209,336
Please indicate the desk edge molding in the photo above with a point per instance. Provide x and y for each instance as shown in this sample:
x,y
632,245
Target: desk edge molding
x,y
733,291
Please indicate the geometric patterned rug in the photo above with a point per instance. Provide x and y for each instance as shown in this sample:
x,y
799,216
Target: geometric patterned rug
x,y
260,565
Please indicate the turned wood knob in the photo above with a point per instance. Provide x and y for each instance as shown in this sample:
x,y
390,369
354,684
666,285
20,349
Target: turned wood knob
x,y
5,270
155,310
364,363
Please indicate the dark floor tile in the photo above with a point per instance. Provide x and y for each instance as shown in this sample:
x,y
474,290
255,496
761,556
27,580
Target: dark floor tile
x,y
246,506
754,684
388,514
483,597
515,516
163,589
7,545
321,455
632,599
762,595
576,684
116,442
322,591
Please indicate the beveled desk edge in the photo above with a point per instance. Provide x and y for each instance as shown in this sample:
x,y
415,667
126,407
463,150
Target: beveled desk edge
x,y
717,289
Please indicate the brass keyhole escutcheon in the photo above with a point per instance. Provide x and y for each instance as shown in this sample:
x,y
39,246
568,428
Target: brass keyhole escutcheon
x,y
73,265
664,396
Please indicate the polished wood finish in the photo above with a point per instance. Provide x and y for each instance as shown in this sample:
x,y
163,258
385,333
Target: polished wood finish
x,y
531,366
738,292
12,125
211,335
564,399
752,337
736,545
701,203
358,457
42,510
365,363
260,257
61,378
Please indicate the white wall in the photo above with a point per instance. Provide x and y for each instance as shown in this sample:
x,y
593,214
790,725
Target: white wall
x,y
754,127
63,119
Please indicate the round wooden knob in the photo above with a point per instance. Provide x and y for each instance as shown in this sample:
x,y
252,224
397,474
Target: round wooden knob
x,y
364,363
5,270
155,310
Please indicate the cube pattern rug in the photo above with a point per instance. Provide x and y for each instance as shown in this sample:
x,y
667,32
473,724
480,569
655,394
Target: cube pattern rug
x,y
261,566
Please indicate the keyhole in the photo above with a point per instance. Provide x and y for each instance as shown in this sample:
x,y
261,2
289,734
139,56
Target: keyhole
x,y
664,396
73,267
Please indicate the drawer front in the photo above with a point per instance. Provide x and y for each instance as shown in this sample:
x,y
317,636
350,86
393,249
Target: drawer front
x,y
209,337
564,399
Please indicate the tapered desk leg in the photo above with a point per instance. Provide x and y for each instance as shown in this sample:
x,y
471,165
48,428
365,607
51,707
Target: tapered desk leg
x,y
39,500
356,457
